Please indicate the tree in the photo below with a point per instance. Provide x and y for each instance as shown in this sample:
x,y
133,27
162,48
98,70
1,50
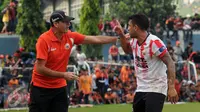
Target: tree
x,y
30,23
89,18
155,9
4,3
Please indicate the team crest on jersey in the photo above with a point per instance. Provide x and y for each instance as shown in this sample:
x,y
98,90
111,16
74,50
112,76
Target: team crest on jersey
x,y
67,46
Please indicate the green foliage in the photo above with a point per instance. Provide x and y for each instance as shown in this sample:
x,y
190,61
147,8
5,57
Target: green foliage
x,y
3,3
30,23
107,17
89,18
155,9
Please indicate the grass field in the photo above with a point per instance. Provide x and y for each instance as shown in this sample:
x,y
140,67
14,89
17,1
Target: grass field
x,y
189,107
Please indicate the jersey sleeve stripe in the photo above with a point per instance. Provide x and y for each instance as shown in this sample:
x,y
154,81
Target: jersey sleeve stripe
x,y
163,53
150,49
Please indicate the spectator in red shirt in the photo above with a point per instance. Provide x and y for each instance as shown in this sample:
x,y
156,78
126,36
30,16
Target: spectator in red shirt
x,y
113,23
113,52
101,26
12,18
170,25
177,86
178,25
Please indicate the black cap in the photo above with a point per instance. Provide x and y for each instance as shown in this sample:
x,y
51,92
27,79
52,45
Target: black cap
x,y
59,16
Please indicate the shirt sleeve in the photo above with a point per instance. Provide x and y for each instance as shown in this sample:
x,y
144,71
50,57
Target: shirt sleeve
x,y
42,49
159,49
78,38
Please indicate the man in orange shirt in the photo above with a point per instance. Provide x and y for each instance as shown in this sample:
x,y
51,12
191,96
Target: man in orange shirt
x,y
48,91
85,85
124,75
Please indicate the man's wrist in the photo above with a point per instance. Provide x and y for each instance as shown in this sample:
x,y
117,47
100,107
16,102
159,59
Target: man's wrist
x,y
121,35
63,74
171,86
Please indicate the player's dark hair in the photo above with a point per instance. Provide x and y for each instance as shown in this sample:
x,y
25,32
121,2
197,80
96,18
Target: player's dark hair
x,y
79,48
140,20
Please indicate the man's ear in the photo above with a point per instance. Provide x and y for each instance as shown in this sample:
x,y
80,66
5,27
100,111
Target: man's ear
x,y
55,24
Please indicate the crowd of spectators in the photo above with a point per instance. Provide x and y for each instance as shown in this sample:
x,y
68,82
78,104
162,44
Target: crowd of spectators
x,y
174,24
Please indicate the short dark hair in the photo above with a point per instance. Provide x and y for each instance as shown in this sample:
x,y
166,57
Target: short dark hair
x,y
141,20
79,48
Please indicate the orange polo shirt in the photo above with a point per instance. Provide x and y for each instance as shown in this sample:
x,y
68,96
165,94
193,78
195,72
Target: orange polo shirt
x,y
124,74
56,53
85,84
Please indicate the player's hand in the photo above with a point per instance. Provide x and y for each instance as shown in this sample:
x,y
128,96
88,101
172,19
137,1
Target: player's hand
x,y
70,76
172,95
118,29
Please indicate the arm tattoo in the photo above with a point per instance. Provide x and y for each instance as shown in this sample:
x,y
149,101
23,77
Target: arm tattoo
x,y
170,69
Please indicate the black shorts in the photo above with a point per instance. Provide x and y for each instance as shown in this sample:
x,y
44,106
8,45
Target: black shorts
x,y
48,100
148,102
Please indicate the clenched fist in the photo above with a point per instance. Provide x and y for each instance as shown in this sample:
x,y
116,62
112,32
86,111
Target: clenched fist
x,y
172,95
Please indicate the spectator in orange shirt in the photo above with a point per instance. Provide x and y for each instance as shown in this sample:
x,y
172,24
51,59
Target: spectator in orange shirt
x,y
97,70
113,52
124,75
85,85
100,80
13,82
110,97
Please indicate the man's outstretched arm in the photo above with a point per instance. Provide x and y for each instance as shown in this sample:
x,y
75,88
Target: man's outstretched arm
x,y
99,39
